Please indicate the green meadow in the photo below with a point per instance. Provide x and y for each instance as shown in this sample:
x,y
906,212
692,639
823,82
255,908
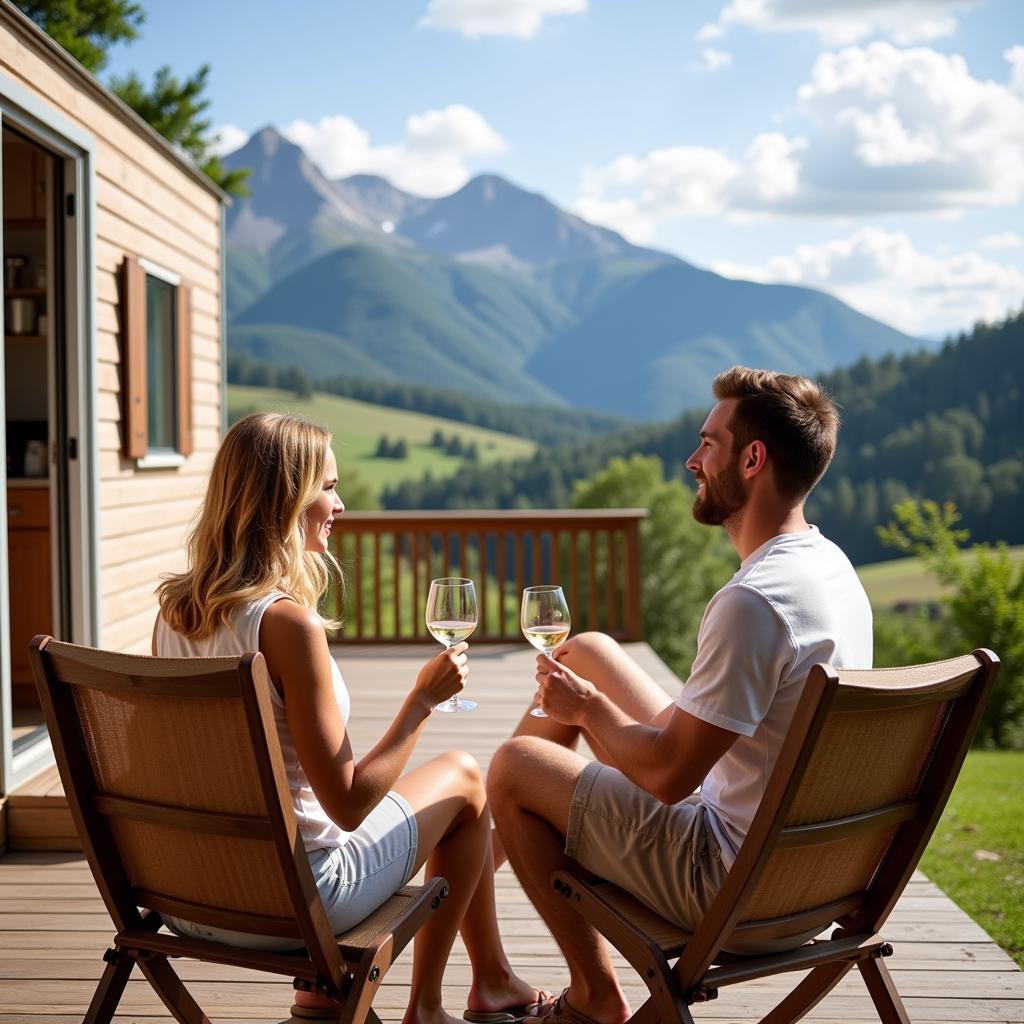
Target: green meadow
x,y
358,426
907,580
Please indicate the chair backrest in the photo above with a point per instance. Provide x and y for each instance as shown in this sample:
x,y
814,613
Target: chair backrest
x,y
861,781
173,773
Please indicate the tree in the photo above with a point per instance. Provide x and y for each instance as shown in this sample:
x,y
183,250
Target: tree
x,y
294,379
682,562
175,108
984,606
88,28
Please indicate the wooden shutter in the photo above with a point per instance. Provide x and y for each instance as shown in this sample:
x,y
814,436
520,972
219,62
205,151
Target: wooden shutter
x,y
134,379
184,349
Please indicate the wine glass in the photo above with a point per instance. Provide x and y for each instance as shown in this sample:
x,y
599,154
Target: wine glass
x,y
545,622
451,617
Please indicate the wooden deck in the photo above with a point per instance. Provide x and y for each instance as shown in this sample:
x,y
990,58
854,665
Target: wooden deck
x,y
53,928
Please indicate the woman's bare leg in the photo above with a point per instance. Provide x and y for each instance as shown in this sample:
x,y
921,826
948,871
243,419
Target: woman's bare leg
x,y
448,798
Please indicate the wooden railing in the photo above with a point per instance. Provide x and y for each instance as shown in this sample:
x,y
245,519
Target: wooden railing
x,y
389,559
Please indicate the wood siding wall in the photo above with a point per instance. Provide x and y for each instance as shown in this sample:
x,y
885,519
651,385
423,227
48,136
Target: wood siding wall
x,y
146,206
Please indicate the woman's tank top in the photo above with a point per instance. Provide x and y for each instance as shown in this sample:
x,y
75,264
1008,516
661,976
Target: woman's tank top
x,y
240,635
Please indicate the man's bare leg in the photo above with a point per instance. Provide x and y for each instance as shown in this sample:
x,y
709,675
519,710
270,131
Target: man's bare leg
x,y
602,660
530,787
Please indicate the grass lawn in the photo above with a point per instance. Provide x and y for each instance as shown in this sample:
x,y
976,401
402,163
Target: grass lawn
x,y
358,426
905,579
977,853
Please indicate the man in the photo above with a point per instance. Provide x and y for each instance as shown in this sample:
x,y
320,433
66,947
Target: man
x,y
633,816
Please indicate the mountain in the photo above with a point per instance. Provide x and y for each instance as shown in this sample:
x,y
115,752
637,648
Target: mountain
x,y
651,342
496,291
493,221
378,199
411,317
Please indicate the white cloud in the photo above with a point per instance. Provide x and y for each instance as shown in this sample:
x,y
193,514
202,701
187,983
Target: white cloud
x,y
229,138
520,18
1015,56
839,22
883,274
711,30
429,160
890,130
883,139
673,182
1002,240
712,60
908,130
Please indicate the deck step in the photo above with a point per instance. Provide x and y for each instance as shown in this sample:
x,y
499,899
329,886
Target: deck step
x,y
38,817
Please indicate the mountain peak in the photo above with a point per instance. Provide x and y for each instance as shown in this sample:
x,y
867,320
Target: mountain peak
x,y
490,187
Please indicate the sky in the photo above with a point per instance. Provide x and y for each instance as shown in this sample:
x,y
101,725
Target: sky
x,y
870,148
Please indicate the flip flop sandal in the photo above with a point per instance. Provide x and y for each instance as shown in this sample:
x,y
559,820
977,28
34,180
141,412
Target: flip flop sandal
x,y
511,1014
561,1011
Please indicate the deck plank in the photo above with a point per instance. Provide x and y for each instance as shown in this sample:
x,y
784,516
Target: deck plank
x,y
53,927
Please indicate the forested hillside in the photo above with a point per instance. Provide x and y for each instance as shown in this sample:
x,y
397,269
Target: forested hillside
x,y
549,425
946,424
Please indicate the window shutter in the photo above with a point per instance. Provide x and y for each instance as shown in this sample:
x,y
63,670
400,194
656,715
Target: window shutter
x,y
184,348
134,389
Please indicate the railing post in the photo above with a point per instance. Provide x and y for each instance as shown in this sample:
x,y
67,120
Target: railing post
x,y
632,609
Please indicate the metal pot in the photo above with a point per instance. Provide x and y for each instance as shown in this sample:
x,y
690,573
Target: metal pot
x,y
20,316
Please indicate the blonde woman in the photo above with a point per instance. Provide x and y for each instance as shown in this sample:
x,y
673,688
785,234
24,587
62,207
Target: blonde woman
x,y
258,564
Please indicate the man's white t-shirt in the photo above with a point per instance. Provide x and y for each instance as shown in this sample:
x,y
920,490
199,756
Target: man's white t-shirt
x,y
795,601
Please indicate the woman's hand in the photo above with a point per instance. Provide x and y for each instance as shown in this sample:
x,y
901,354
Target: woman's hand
x,y
444,676
563,694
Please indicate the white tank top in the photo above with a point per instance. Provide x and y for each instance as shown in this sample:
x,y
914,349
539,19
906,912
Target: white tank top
x,y
240,635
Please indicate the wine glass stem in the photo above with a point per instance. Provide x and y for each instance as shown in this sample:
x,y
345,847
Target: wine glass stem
x,y
453,700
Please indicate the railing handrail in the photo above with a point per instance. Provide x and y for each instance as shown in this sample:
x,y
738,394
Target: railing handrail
x,y
497,515
506,549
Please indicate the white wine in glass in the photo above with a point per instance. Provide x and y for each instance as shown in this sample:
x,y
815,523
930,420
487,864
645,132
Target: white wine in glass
x,y
545,622
451,617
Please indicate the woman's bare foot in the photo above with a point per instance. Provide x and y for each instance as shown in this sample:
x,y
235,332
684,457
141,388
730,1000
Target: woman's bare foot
x,y
490,995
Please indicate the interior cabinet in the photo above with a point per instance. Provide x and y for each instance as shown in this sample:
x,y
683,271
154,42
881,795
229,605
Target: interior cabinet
x,y
24,182
31,602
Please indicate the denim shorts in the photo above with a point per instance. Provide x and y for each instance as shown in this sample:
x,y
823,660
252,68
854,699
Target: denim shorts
x,y
353,879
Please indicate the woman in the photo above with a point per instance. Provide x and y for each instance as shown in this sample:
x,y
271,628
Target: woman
x,y
258,566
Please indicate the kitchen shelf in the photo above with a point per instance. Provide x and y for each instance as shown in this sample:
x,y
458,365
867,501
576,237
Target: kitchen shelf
x,y
25,337
24,293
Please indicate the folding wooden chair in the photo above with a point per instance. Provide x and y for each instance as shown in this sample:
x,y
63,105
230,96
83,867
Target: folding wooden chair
x,y
862,778
173,773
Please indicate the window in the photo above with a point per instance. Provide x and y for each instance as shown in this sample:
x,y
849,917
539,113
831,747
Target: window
x,y
156,371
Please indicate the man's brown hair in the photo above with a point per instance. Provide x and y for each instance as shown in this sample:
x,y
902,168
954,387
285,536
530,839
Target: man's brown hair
x,y
793,416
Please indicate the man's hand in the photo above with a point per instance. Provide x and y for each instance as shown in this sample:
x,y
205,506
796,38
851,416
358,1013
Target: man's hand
x,y
563,694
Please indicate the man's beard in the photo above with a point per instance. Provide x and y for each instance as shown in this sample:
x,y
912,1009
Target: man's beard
x,y
722,498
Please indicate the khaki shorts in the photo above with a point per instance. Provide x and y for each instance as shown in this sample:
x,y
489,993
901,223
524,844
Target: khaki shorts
x,y
666,856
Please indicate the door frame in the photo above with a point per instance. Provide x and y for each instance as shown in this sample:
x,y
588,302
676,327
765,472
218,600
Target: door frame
x,y
32,117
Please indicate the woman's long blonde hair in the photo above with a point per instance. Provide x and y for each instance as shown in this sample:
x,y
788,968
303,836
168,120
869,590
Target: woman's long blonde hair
x,y
249,538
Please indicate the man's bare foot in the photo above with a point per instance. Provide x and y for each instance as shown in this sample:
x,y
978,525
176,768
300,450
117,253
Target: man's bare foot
x,y
608,1008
